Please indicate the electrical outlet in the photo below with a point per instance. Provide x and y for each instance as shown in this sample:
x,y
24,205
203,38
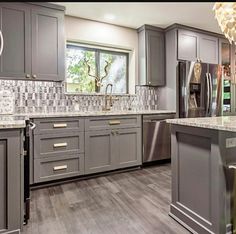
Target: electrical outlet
x,y
230,142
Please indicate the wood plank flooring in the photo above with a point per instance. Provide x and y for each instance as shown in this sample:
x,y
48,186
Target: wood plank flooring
x,y
134,202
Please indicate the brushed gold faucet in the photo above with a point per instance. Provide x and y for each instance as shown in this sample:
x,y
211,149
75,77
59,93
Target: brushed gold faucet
x,y
108,98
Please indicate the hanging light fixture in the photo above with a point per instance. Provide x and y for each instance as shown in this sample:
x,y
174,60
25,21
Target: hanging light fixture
x,y
225,13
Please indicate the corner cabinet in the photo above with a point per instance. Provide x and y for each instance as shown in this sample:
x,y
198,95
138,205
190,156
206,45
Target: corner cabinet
x,y
151,56
112,143
11,181
192,45
33,41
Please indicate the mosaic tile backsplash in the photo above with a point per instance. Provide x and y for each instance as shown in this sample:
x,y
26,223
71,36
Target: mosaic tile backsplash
x,y
38,96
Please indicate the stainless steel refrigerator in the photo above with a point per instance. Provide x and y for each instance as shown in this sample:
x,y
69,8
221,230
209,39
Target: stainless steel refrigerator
x,y
200,89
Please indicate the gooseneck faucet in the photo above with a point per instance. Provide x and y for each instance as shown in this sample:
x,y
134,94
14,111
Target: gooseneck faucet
x,y
108,98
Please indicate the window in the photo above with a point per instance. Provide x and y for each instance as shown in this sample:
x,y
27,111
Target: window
x,y
84,64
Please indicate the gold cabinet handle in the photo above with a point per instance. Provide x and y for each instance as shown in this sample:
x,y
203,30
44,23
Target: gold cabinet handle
x,y
114,122
58,168
62,125
34,76
57,145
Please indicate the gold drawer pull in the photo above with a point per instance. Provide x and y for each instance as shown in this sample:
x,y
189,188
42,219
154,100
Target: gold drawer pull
x,y
62,125
64,144
58,168
114,122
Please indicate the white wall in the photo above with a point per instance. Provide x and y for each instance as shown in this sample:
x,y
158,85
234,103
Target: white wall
x,y
87,31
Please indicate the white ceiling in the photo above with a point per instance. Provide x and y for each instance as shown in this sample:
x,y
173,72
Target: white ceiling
x,y
134,15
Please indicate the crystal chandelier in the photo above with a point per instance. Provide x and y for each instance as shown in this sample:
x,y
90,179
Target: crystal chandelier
x,y
225,13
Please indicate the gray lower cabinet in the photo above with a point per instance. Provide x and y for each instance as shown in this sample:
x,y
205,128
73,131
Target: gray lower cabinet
x,y
11,181
201,180
58,167
114,147
128,147
66,147
58,149
99,151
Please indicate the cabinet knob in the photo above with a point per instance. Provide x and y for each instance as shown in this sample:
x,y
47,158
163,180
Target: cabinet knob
x,y
149,82
27,75
34,76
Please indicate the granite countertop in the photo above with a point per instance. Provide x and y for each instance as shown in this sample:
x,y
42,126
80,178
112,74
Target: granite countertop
x,y
18,120
93,113
224,123
9,122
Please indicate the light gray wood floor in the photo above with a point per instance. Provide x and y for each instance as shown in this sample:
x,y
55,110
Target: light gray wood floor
x,y
125,203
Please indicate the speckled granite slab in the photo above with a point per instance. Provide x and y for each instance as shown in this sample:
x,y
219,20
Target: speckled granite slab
x,y
18,120
93,113
9,121
225,123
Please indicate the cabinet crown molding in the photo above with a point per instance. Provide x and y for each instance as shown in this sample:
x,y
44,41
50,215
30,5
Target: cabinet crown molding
x,y
150,27
181,26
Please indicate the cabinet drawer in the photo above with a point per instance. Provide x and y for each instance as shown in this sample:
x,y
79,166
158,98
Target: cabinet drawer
x,y
58,144
55,125
112,122
58,168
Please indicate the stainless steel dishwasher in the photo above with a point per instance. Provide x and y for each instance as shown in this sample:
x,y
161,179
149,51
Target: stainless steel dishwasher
x,y
156,137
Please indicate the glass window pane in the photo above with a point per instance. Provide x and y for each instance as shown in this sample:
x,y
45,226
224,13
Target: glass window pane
x,y
77,76
117,71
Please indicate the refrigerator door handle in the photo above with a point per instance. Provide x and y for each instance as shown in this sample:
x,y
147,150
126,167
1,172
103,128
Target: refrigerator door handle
x,y
187,89
186,101
211,92
208,96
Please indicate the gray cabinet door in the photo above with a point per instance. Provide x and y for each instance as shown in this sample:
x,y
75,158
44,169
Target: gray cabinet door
x,y
187,45
15,60
48,44
128,147
208,49
10,181
99,156
155,52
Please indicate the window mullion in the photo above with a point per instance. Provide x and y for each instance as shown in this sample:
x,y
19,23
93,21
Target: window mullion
x,y
97,58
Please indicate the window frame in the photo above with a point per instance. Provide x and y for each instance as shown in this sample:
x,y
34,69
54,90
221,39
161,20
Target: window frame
x,y
98,51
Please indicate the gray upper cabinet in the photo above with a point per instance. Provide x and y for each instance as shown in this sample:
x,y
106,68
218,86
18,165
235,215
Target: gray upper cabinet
x,y
48,59
15,60
208,49
151,56
187,45
192,46
33,41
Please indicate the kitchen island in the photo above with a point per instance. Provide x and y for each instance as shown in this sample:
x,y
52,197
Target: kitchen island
x,y
203,165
